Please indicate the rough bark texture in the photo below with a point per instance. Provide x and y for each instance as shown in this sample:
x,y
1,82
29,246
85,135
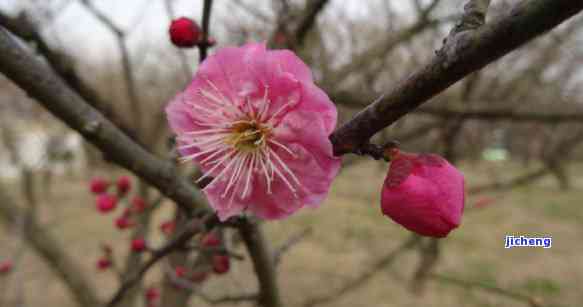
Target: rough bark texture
x,y
462,54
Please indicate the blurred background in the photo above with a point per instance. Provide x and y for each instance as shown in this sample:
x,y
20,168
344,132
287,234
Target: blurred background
x,y
514,128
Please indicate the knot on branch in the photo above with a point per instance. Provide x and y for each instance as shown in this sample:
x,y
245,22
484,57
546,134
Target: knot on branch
x,y
377,152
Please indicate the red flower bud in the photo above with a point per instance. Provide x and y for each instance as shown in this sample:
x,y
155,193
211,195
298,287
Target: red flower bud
x,y
103,264
180,271
221,264
123,222
105,203
184,32
210,240
152,294
138,204
123,185
98,185
168,227
423,193
139,245
6,266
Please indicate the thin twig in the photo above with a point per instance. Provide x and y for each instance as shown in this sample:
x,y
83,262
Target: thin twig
x,y
206,18
460,57
361,279
486,287
263,264
291,242
193,227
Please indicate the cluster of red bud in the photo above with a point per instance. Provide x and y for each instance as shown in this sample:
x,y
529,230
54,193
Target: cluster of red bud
x,y
107,201
213,259
185,33
108,195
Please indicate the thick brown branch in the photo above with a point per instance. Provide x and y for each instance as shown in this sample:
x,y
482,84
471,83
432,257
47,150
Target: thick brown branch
x,y
465,53
41,83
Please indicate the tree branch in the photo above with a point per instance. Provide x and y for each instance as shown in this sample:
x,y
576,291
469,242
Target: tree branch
x,y
41,83
370,272
51,251
467,52
486,287
195,226
503,115
206,18
262,263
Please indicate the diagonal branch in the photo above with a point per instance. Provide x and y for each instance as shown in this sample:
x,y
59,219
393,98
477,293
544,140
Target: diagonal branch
x,y
466,52
51,250
41,83
531,301
370,272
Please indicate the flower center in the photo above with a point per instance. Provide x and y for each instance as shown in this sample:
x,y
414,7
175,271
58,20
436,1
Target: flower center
x,y
248,136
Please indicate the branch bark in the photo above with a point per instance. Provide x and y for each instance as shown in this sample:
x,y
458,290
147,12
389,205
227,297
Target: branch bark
x,y
263,263
51,250
466,52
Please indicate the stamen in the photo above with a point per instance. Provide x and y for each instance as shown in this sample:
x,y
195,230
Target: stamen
x,y
267,178
289,171
225,157
250,172
235,177
227,167
278,172
191,157
283,147
214,155
265,104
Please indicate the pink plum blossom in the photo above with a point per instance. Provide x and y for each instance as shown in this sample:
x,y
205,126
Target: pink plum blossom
x,y
423,193
255,122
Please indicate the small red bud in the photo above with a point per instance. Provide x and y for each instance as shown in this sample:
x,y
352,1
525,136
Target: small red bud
x,y
152,294
123,185
98,185
180,271
6,266
184,32
103,264
138,245
221,264
105,203
123,222
210,240
138,204
168,227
